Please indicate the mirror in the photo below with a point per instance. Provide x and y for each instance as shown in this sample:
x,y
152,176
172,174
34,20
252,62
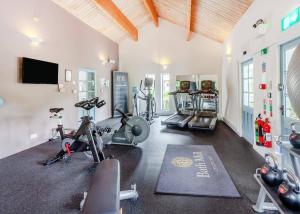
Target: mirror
x,y
197,78
184,100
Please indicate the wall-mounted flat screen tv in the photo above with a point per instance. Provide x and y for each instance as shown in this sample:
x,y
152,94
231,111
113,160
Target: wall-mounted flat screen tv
x,y
39,72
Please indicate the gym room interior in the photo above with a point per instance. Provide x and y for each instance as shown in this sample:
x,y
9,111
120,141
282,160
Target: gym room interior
x,y
149,106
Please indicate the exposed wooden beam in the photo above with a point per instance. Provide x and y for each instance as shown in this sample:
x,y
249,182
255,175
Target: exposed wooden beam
x,y
111,9
189,19
151,9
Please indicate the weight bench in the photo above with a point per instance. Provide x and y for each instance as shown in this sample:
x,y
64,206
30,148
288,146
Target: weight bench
x,y
104,194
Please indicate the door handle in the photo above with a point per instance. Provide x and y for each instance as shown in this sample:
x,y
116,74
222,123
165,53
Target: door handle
x,y
280,87
282,110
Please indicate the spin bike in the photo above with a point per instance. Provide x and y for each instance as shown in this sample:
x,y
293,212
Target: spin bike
x,y
86,139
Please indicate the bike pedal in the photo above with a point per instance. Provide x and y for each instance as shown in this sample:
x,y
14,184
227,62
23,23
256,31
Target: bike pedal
x,y
110,157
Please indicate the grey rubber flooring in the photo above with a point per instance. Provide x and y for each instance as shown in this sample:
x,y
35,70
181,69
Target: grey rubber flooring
x,y
28,187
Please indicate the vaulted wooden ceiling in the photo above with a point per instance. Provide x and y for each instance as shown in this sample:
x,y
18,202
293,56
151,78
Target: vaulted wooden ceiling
x,y
118,19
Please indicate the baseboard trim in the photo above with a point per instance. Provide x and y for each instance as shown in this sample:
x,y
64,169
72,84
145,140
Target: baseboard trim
x,y
228,123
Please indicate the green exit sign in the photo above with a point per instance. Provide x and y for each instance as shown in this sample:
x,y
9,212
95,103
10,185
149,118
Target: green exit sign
x,y
291,19
264,51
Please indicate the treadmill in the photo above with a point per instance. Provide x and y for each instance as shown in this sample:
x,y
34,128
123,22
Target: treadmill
x,y
206,106
184,109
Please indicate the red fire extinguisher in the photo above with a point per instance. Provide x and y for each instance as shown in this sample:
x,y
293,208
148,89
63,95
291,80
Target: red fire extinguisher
x,y
267,133
260,141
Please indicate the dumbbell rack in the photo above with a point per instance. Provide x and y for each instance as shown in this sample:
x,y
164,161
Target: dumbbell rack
x,y
268,192
291,161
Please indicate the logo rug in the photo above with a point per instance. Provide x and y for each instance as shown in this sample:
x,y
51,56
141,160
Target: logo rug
x,y
194,170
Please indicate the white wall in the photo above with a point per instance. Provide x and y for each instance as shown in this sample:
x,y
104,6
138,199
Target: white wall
x,y
167,45
66,41
243,38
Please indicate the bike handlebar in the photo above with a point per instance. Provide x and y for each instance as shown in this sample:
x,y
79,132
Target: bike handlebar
x,y
121,112
89,104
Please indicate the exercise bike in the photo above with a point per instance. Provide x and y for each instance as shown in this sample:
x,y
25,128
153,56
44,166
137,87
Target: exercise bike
x,y
134,130
86,139
59,131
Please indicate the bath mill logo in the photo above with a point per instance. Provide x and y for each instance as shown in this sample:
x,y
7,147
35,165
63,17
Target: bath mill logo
x,y
182,162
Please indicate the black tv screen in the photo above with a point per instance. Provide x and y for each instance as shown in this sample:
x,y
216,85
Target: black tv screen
x,y
39,72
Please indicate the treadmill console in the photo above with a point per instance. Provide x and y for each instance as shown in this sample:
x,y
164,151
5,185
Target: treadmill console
x,y
184,86
207,85
208,89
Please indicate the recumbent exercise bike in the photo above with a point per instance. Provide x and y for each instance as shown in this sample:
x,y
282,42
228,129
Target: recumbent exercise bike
x,y
134,130
86,139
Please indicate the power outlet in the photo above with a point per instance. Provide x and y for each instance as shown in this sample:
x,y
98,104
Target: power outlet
x,y
33,136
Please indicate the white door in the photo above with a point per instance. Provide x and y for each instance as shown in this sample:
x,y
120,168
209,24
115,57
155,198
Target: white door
x,y
247,101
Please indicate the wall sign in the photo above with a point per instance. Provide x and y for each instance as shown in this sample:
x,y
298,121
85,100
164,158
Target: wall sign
x,y
68,75
291,19
264,51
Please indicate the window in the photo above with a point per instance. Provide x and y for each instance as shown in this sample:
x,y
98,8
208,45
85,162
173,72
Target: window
x,y
247,74
87,89
165,89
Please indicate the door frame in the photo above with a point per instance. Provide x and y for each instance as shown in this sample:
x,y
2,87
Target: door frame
x,y
241,88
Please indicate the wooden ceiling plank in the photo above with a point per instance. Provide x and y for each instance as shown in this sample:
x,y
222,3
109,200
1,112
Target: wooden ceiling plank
x,y
211,18
110,8
189,20
152,10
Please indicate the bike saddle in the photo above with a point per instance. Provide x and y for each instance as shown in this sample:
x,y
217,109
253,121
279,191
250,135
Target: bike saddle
x,y
100,104
55,110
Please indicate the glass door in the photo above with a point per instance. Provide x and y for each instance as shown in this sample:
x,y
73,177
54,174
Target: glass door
x,y
87,90
247,101
287,113
165,89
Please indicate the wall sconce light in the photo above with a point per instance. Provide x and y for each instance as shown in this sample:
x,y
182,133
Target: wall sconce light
x,y
229,57
105,61
35,41
164,62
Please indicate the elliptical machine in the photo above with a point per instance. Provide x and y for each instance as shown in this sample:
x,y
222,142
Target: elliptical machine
x,y
86,139
133,130
146,95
